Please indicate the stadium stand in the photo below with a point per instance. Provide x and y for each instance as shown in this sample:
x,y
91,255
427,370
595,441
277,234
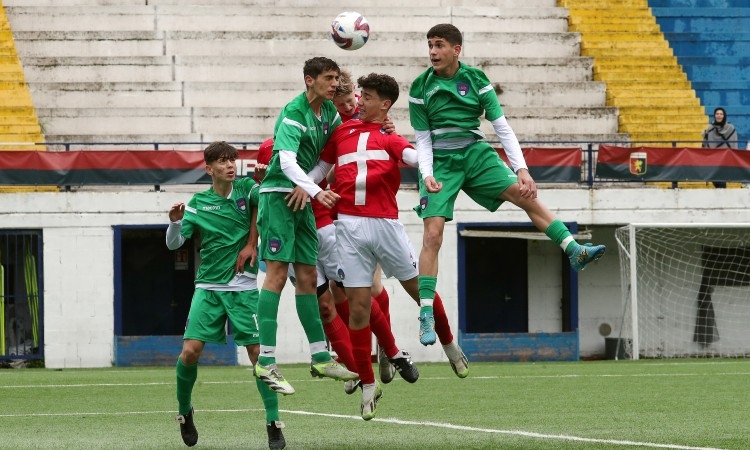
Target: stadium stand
x,y
19,125
174,71
712,42
656,102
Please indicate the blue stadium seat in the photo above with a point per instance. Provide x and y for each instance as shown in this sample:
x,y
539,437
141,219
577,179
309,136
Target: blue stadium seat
x,y
711,40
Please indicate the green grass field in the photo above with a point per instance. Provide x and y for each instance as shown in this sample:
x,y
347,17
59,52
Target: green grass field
x,y
674,404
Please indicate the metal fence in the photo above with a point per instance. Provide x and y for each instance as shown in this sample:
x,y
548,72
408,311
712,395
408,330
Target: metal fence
x,y
21,296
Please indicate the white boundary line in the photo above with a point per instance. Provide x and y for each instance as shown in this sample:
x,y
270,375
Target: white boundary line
x,y
521,433
514,432
494,377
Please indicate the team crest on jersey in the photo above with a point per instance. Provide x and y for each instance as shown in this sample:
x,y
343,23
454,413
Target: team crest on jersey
x,y
341,273
423,203
274,245
241,204
326,127
462,88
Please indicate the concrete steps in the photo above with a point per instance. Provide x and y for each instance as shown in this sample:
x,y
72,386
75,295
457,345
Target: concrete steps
x,y
669,95
665,101
164,69
504,4
652,75
698,3
19,125
218,94
629,51
634,25
689,118
711,44
730,20
249,44
206,18
71,124
635,61
102,70
617,85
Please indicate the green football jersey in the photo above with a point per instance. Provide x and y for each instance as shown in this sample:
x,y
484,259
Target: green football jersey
x,y
298,129
223,225
451,108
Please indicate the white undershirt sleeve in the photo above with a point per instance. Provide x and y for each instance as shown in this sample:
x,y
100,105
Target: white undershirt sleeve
x,y
319,172
295,173
424,152
510,143
174,238
409,156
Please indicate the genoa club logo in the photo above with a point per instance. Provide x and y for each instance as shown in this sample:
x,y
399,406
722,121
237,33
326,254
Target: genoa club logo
x,y
326,126
341,274
638,163
241,204
274,245
462,88
423,203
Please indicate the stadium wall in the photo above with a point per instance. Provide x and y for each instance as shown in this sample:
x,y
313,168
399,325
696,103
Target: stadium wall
x,y
79,270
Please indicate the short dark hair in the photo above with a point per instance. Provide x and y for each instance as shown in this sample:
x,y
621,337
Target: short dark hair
x,y
385,85
217,150
319,64
448,32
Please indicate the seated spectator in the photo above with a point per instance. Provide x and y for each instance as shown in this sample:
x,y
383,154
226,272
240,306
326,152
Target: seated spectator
x,y
720,134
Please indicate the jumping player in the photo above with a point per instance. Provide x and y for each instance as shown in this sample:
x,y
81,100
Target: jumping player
x,y
445,105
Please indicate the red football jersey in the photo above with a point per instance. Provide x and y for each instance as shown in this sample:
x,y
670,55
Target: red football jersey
x,y
367,168
323,215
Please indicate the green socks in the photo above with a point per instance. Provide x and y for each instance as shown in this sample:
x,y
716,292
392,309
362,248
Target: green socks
x,y
309,317
270,400
186,376
268,310
427,286
560,235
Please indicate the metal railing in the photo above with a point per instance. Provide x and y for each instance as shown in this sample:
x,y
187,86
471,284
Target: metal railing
x,y
21,296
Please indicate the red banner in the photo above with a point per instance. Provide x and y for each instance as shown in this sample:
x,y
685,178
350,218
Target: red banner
x,y
116,167
673,164
125,167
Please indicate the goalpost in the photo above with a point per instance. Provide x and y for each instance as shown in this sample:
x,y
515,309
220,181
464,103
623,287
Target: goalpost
x,y
685,289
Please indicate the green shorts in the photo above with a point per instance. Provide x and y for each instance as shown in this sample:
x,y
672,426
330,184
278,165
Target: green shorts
x,y
286,235
210,310
477,170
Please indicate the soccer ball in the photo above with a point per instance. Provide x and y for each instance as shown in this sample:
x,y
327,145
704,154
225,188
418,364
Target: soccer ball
x,y
350,30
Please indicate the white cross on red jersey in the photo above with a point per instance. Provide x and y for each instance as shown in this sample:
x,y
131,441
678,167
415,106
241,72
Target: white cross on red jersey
x,y
367,168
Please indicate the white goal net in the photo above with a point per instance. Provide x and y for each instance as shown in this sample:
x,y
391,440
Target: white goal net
x,y
686,290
